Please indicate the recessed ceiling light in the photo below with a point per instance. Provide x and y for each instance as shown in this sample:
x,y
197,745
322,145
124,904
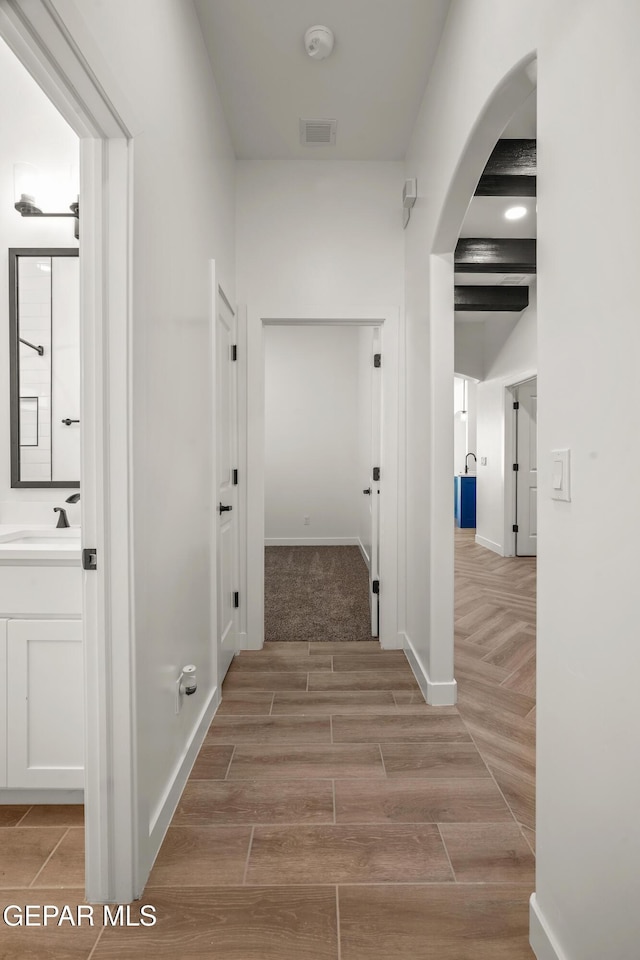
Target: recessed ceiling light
x,y
515,213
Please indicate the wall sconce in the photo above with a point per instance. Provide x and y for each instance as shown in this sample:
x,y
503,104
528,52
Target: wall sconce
x,y
26,178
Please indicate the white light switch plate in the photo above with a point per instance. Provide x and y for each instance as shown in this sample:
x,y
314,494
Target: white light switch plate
x,y
560,475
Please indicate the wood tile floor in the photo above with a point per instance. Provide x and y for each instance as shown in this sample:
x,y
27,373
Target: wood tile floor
x,y
331,814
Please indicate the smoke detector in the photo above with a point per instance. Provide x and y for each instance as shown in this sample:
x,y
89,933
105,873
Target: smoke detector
x,y
318,42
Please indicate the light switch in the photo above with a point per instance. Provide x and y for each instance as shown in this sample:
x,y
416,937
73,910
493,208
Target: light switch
x,y
560,489
483,461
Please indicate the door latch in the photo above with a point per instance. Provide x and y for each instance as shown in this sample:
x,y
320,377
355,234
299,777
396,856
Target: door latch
x,y
367,491
90,558
223,508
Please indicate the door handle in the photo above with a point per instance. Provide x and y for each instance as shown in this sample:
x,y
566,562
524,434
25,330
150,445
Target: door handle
x,y
68,421
367,491
223,509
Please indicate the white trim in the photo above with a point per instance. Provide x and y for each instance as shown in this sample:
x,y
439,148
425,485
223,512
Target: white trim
x,y
365,555
40,38
162,815
489,545
312,542
39,795
542,941
436,694
252,428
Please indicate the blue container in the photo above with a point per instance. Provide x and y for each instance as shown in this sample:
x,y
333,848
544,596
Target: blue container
x,y
465,501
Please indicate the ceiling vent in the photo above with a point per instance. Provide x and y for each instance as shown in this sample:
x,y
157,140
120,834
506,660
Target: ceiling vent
x,y
318,133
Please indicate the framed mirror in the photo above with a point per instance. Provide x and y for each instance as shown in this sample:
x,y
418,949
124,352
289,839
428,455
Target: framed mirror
x,y
44,316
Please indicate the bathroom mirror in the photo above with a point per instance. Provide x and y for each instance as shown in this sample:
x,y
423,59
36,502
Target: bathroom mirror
x,y
44,314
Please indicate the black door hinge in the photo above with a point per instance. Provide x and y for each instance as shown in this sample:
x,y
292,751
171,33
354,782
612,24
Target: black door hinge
x,y
90,559
515,528
375,586
516,467
235,478
376,473
516,404
377,359
236,599
234,352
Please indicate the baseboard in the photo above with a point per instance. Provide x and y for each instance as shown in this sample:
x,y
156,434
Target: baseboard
x,y
34,795
167,807
542,941
435,693
490,545
365,555
311,542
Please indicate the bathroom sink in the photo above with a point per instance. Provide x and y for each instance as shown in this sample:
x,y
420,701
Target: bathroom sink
x,y
34,538
39,543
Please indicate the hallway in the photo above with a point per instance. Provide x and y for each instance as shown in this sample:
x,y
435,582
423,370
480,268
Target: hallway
x,y
331,814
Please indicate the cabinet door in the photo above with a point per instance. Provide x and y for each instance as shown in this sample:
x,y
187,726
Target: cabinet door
x,y
3,712
45,704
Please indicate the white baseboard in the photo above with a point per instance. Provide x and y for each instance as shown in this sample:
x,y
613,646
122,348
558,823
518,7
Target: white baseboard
x,y
365,555
311,542
436,693
33,795
490,545
542,941
167,807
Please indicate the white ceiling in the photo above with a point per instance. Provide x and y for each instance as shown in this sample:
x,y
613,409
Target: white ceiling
x,y
372,84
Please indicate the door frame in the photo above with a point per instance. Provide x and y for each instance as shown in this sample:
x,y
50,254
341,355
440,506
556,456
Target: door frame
x,y
510,453
252,439
40,39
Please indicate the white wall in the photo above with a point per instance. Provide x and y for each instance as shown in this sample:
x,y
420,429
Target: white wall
x,y
505,363
312,433
325,237
32,132
588,342
150,58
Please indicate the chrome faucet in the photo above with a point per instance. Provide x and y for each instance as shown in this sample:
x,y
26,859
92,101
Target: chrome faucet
x,y
466,464
63,519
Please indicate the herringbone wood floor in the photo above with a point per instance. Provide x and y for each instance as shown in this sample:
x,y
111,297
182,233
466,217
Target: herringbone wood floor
x,y
495,649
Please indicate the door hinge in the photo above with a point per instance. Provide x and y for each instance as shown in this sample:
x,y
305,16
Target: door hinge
x,y
236,599
516,467
90,558
235,478
514,528
234,352
375,586
376,473
516,404
377,359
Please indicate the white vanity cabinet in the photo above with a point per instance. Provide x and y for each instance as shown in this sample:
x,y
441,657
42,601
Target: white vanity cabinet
x,y
41,666
45,704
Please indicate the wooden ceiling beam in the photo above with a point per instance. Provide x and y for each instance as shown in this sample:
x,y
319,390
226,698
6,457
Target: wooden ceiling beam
x,y
483,298
510,170
493,255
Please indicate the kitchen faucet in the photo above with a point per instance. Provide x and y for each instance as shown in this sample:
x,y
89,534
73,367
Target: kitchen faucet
x,y
466,464
63,519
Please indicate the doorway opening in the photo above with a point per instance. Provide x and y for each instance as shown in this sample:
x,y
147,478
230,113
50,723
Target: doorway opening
x,y
323,484
102,614
322,472
495,525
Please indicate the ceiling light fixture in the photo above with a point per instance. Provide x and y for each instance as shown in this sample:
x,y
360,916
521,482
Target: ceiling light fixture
x,y
318,42
515,213
25,177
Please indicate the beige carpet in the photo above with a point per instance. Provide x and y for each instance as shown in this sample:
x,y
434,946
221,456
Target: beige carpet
x,y
316,593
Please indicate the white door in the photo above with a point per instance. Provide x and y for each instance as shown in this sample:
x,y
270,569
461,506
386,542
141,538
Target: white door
x,y
227,499
527,473
374,485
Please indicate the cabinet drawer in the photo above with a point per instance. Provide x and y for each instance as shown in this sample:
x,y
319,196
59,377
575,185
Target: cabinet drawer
x,y
45,704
